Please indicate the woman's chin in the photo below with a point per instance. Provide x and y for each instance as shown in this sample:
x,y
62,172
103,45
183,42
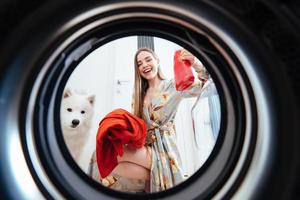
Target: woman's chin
x,y
149,76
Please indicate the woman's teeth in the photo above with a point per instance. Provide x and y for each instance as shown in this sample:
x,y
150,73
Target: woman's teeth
x,y
147,70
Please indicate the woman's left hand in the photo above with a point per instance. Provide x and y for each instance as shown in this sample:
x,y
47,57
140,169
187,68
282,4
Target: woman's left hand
x,y
186,55
199,68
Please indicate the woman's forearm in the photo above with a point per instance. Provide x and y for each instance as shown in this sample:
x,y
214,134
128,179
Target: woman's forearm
x,y
201,71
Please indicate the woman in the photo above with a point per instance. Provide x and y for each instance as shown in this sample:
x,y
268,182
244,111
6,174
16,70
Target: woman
x,y
156,101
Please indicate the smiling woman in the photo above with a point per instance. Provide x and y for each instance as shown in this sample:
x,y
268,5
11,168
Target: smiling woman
x,y
146,88
237,136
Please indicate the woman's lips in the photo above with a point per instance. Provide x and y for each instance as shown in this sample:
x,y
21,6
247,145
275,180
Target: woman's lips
x,y
147,70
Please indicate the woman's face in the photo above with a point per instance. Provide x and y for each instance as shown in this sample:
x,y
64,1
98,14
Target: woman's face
x,y
147,65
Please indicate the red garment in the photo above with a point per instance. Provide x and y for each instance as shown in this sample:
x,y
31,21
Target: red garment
x,y
116,129
183,73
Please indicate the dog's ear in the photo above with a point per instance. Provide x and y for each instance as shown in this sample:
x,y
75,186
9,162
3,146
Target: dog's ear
x,y
67,93
91,99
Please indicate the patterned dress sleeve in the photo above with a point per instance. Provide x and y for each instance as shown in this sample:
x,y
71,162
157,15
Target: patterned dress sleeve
x,y
176,96
193,91
202,76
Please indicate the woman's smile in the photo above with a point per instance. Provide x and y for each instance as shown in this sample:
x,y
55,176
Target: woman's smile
x,y
147,70
147,65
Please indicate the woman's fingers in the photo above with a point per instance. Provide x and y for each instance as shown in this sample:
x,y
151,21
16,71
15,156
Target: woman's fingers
x,y
186,55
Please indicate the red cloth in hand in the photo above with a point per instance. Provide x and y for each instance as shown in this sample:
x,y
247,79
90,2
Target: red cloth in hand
x,y
183,73
116,129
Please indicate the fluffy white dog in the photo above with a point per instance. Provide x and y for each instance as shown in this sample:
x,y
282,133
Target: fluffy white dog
x,y
76,119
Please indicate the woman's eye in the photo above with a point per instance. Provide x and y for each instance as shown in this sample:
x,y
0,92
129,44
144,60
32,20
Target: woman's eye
x,y
82,112
69,109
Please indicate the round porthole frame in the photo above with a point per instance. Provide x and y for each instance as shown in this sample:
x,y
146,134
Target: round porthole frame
x,y
239,86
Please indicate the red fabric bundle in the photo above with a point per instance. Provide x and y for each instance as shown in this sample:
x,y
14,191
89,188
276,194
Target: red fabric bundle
x,y
183,74
116,129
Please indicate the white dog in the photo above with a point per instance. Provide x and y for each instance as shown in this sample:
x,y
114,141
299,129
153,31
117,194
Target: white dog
x,y
76,120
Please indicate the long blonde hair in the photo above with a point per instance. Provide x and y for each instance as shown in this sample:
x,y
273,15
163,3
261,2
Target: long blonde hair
x,y
141,85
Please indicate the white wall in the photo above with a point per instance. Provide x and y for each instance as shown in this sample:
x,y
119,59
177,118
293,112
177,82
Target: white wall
x,y
97,74
108,72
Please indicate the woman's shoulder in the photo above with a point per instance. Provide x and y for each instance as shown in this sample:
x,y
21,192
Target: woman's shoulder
x,y
168,84
168,81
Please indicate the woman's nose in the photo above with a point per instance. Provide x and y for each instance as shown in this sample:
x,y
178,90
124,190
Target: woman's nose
x,y
144,64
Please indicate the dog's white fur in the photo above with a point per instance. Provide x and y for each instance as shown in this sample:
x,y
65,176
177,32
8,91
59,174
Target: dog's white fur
x,y
76,120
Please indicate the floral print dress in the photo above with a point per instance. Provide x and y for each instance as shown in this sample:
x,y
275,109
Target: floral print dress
x,y
166,169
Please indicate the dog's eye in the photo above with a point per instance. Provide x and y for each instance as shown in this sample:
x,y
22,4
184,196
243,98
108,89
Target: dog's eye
x,y
69,109
82,112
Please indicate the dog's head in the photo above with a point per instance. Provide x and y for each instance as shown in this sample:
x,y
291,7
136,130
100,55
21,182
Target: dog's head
x,y
76,111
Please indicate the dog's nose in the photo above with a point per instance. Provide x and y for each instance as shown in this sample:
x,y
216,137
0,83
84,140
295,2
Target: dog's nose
x,y
75,122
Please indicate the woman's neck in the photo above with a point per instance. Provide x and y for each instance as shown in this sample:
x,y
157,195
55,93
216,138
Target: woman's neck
x,y
154,83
